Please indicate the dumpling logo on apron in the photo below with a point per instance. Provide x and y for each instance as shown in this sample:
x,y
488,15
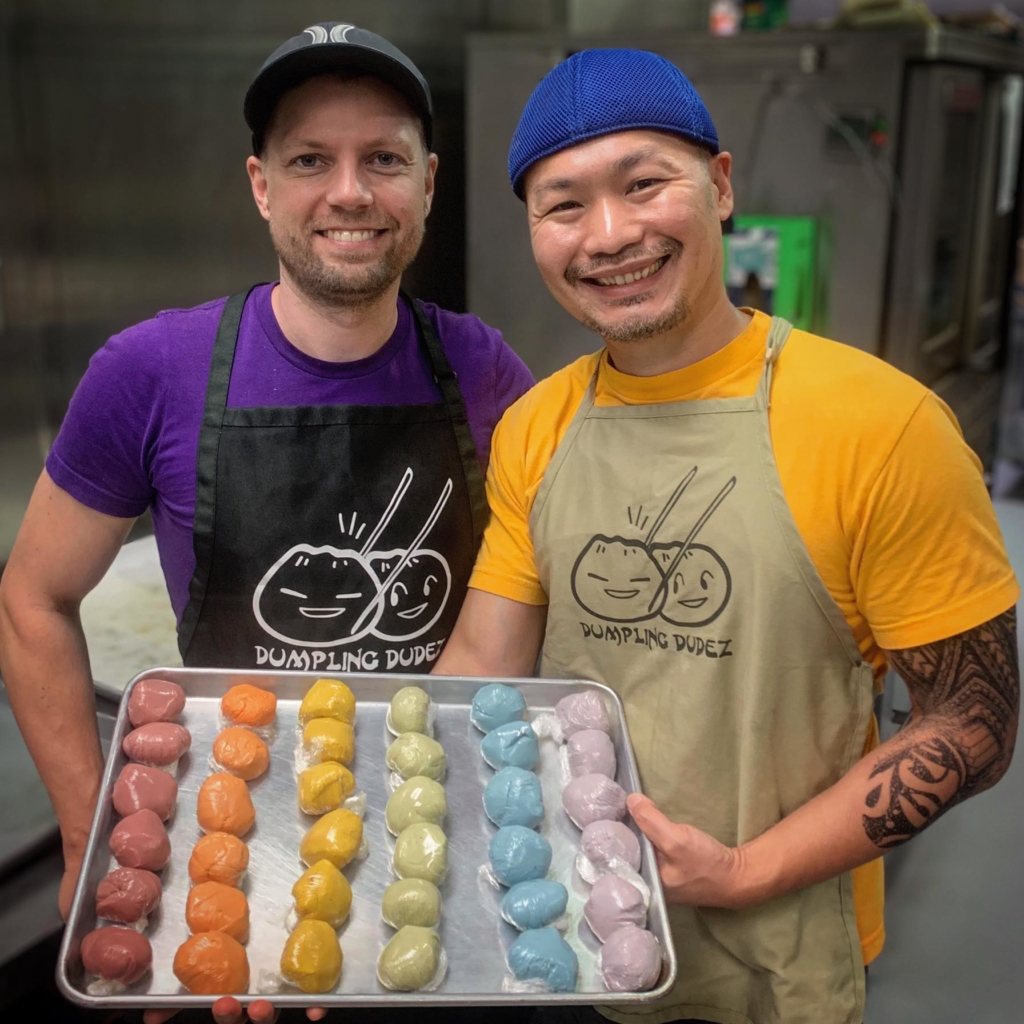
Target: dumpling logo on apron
x,y
331,596
679,583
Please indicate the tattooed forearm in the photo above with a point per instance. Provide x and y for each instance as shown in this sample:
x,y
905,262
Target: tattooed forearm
x,y
959,741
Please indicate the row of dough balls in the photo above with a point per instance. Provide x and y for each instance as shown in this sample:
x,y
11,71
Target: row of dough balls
x,y
413,958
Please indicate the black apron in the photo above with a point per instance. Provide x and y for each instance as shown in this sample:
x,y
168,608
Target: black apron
x,y
335,538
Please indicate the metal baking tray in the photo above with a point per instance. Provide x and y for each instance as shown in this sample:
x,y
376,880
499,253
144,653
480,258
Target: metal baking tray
x,y
472,931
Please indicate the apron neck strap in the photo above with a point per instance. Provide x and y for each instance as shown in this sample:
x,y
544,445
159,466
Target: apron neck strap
x,y
448,384
778,335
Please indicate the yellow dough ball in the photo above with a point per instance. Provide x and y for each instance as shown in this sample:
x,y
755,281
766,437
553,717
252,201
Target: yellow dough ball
x,y
327,739
336,837
323,894
328,698
312,957
324,787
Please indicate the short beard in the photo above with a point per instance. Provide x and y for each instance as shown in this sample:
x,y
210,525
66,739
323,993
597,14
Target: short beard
x,y
640,327
336,287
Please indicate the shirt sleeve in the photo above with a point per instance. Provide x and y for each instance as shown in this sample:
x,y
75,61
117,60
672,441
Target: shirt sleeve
x,y
505,564
99,456
929,560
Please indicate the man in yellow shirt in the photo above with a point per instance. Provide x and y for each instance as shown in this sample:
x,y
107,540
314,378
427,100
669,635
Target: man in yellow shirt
x,y
737,526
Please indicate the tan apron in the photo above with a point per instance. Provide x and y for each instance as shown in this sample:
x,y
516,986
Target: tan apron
x,y
676,575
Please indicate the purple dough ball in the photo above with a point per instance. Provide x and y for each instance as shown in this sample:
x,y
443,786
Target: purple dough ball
x,y
591,752
630,960
602,841
613,903
594,798
581,711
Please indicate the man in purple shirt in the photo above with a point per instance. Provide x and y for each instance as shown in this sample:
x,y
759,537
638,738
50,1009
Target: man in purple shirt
x,y
311,451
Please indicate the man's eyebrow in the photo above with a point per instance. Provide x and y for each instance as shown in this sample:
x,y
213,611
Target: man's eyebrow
x,y
623,165
381,142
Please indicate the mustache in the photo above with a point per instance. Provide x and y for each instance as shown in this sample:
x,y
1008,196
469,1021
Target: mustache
x,y
605,266
340,224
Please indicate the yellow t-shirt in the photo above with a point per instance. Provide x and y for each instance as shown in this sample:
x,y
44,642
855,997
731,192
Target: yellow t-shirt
x,y
884,491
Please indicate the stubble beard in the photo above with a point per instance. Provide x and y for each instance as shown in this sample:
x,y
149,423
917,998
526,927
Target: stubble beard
x,y
341,286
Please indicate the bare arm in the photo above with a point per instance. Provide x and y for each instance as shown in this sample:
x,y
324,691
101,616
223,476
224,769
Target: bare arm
x,y
958,742
62,551
494,636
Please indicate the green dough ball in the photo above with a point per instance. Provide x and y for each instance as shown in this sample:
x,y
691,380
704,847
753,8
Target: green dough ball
x,y
421,851
409,710
410,960
411,901
415,754
418,800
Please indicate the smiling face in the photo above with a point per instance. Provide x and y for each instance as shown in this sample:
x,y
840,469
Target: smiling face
x,y
346,184
699,587
626,231
313,596
616,580
416,598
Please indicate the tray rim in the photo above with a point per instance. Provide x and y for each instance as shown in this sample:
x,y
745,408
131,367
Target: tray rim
x,y
128,1000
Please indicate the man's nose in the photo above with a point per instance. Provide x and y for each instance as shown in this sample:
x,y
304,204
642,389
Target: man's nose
x,y
347,187
612,226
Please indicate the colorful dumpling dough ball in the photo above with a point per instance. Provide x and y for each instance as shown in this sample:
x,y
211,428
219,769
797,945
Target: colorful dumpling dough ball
x,y
322,894
581,711
412,754
410,960
155,700
630,960
513,797
534,904
411,901
140,841
594,798
543,955
421,851
241,752
327,739
216,907
218,857
328,698
518,854
604,842
127,895
158,744
409,711
336,837
325,787
116,954
417,800
612,903
249,705
224,805
311,959
591,752
513,744
141,787
212,964
496,704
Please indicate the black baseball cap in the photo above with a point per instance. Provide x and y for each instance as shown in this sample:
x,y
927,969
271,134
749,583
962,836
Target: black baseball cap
x,y
333,46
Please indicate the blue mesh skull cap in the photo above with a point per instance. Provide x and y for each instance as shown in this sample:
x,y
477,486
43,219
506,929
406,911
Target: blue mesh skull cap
x,y
597,92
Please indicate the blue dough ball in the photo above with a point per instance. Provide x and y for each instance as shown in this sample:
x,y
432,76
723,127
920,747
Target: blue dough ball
x,y
496,704
534,904
519,854
513,797
512,744
543,955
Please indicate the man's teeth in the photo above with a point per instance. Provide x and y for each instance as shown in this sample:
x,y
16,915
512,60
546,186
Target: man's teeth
x,y
351,236
630,278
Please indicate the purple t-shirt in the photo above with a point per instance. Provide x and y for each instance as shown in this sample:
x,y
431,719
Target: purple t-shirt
x,y
131,434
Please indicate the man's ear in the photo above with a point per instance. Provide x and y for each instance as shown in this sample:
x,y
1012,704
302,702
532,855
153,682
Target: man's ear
x,y
258,180
720,170
431,171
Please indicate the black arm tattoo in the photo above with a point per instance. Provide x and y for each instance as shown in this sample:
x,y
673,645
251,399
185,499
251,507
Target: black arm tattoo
x,y
959,741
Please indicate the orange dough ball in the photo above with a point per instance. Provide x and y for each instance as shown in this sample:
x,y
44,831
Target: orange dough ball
x,y
218,857
224,805
212,964
241,752
215,907
249,705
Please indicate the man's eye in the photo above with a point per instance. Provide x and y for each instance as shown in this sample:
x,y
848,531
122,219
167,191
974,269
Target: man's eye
x,y
643,183
387,159
569,204
308,161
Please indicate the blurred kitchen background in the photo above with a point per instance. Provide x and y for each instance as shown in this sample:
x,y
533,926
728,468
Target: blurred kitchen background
x,y
877,172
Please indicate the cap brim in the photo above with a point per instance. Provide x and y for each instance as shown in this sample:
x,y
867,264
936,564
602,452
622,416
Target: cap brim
x,y
295,67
